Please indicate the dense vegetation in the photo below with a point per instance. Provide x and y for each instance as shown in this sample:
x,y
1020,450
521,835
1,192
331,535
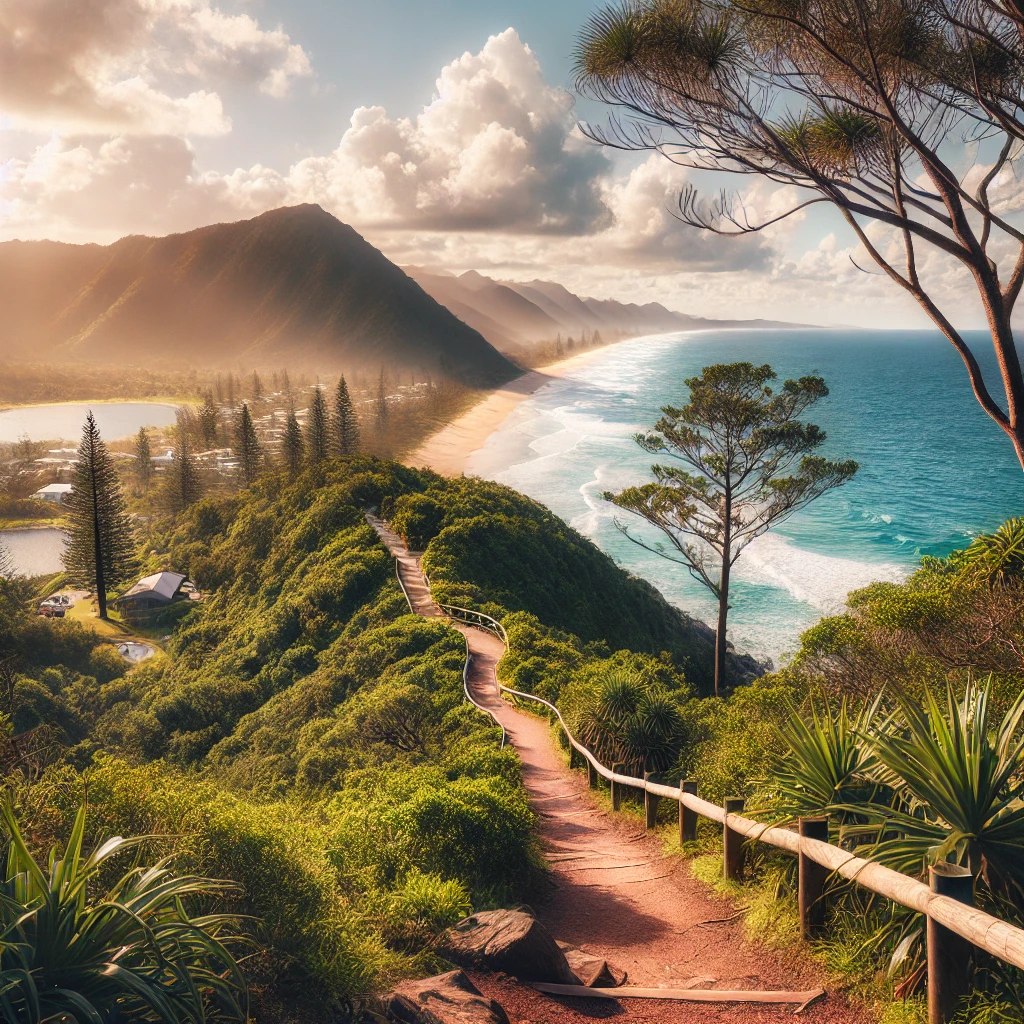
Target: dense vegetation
x,y
305,737
900,719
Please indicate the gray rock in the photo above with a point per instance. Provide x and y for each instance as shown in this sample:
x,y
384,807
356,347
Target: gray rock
x,y
510,941
592,971
445,999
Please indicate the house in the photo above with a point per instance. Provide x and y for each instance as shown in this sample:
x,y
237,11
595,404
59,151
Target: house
x,y
55,493
147,598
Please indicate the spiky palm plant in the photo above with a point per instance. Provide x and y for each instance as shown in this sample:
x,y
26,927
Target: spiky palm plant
x,y
68,953
998,557
960,788
825,761
632,723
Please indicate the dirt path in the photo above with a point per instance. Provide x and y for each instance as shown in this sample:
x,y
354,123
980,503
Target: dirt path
x,y
611,890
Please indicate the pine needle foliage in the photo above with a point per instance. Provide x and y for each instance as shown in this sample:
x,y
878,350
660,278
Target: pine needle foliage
x,y
184,484
143,459
100,549
248,449
346,426
133,953
317,429
293,448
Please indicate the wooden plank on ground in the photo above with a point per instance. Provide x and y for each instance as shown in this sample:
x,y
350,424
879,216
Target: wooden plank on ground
x,y
694,995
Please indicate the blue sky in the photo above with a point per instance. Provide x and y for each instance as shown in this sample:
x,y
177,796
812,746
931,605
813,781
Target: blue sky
x,y
444,132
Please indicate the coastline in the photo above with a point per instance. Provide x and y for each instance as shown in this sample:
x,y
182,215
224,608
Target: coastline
x,y
447,451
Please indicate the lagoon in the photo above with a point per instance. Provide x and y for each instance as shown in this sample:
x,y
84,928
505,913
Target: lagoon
x,y
63,422
35,552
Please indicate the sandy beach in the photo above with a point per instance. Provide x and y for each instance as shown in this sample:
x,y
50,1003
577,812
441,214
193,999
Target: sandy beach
x,y
448,451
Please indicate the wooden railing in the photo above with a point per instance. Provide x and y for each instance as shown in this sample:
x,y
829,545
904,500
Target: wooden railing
x,y
946,902
448,609
475,618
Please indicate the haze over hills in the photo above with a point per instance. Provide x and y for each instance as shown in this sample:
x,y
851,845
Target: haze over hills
x,y
512,315
294,286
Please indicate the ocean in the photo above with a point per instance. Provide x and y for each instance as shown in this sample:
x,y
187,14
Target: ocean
x,y
934,469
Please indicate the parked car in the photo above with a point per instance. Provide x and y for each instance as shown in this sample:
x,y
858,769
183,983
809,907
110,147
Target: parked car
x,y
55,606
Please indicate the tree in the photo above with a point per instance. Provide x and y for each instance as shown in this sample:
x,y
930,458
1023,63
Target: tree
x,y
346,427
209,420
100,547
231,390
256,387
860,104
292,446
247,449
143,459
382,401
184,486
317,430
742,439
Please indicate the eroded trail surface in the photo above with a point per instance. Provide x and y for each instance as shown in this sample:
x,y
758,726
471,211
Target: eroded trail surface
x,y
612,892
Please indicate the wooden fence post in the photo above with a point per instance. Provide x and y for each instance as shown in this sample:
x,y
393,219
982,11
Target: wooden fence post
x,y
948,953
812,880
687,818
651,801
617,787
574,757
732,841
592,775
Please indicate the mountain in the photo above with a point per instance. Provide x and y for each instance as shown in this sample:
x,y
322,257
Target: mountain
x,y
294,286
512,315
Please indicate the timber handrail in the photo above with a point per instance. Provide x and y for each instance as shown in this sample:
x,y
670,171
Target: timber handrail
x,y
476,618
982,930
468,662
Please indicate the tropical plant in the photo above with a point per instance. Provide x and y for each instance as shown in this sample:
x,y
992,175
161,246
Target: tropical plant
x,y
825,761
958,788
633,723
132,954
753,466
100,546
998,557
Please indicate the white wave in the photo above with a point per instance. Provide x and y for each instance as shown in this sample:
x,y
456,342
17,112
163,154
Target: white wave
x,y
822,581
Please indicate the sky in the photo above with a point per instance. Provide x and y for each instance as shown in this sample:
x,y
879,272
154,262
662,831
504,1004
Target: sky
x,y
444,132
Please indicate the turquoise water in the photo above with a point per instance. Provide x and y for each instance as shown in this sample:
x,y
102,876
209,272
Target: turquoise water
x,y
934,469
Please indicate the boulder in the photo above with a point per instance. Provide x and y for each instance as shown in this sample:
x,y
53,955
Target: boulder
x,y
445,999
592,971
510,941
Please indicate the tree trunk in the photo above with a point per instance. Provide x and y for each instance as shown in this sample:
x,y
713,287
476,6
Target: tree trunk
x,y
723,614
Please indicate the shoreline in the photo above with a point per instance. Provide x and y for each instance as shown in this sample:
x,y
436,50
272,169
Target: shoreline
x,y
448,450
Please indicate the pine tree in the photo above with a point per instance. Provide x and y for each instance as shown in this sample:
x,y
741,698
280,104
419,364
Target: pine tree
x,y
292,445
100,549
346,427
382,401
257,387
317,429
219,390
143,459
184,486
209,418
231,391
247,449
286,385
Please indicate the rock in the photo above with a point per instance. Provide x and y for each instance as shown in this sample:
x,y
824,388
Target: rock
x,y
445,999
592,971
509,941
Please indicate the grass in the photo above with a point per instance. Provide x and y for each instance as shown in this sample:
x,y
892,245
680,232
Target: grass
x,y
29,522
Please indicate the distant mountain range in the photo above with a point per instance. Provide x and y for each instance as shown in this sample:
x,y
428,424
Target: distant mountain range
x,y
513,315
292,287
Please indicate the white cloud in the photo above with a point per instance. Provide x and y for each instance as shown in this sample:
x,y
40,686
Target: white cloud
x,y
119,65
